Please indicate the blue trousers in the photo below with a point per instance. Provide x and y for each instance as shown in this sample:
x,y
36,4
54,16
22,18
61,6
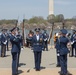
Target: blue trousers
x,y
58,57
72,50
18,58
14,63
37,57
46,45
63,63
3,50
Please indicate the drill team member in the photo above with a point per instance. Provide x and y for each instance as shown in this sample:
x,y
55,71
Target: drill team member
x,y
3,43
37,41
15,41
62,47
45,37
73,42
57,51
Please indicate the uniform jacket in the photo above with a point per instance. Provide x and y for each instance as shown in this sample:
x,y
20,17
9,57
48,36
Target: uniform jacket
x,y
20,40
15,40
74,40
37,45
45,36
3,39
72,37
61,45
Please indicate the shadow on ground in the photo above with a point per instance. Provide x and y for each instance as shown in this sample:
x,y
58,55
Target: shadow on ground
x,y
7,55
20,71
52,64
43,67
22,64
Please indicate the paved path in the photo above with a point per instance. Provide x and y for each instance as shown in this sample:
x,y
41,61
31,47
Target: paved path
x,y
48,64
48,71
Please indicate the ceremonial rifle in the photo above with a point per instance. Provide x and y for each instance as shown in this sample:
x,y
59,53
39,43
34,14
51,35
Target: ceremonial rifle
x,y
17,22
23,31
51,32
16,25
63,23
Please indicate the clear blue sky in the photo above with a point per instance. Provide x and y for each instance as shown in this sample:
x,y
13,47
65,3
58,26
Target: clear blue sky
x,y
11,9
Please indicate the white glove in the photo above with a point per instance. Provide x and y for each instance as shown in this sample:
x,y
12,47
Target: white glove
x,y
45,39
72,42
6,41
58,54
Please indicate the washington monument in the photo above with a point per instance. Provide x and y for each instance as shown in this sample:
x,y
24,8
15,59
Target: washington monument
x,y
51,7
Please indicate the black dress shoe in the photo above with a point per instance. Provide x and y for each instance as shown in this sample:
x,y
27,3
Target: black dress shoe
x,y
59,72
14,74
4,55
68,74
37,69
57,65
62,74
75,55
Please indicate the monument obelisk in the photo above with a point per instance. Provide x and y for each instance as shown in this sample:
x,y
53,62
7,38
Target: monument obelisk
x,y
51,7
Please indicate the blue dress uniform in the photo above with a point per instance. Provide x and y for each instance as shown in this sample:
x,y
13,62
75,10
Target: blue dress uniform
x,y
3,44
73,40
62,47
37,48
45,37
20,44
74,43
15,41
58,55
7,37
